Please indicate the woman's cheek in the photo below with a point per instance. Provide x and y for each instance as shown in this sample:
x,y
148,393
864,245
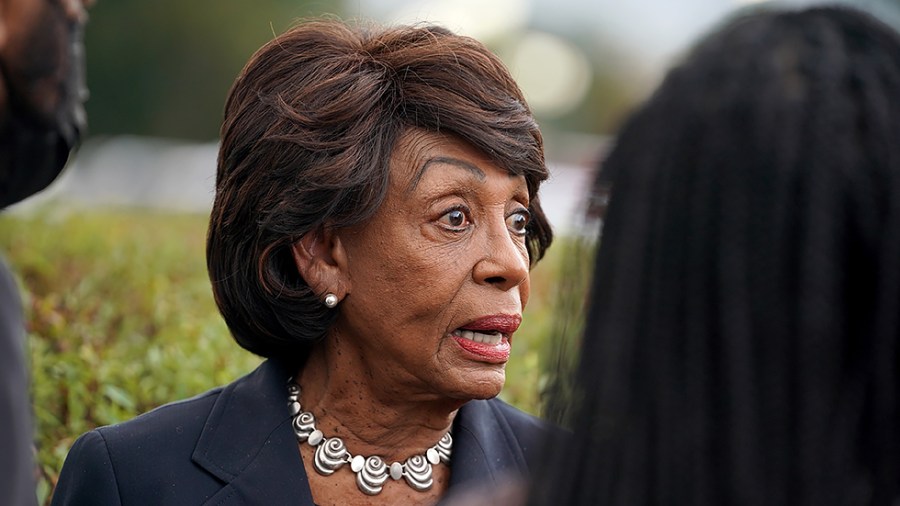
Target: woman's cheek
x,y
525,291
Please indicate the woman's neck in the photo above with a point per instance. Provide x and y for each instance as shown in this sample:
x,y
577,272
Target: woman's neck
x,y
370,414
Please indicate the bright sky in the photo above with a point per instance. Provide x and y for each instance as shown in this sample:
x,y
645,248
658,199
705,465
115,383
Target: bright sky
x,y
551,70
657,29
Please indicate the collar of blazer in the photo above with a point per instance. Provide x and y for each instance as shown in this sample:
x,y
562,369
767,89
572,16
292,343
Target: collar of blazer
x,y
247,442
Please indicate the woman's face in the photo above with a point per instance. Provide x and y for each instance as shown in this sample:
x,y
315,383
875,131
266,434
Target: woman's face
x,y
438,278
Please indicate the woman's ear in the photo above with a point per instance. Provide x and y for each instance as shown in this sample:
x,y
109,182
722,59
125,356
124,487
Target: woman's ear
x,y
321,260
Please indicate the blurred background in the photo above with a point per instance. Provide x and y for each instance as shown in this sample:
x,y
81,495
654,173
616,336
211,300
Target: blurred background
x,y
158,73
111,259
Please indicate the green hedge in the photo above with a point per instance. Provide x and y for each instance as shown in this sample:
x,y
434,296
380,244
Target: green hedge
x,y
121,319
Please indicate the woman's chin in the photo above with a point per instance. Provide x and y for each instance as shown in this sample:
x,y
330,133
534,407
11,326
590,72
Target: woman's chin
x,y
487,385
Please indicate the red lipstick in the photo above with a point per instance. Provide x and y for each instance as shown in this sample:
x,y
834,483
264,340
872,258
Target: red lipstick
x,y
503,323
486,339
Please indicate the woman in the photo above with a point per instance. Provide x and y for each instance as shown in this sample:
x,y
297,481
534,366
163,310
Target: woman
x,y
742,339
374,223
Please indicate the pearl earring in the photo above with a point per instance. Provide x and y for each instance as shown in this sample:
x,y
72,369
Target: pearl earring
x,y
331,300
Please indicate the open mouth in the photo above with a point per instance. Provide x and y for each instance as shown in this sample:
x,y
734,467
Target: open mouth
x,y
489,338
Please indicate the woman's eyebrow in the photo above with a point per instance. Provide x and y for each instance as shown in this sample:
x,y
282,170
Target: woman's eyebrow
x,y
455,162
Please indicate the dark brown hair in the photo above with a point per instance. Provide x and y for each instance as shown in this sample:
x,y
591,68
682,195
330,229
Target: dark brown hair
x,y
310,126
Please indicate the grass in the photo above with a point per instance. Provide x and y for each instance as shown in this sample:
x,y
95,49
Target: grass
x,y
121,319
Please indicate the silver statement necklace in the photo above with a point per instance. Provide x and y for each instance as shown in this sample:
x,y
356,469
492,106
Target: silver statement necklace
x,y
371,472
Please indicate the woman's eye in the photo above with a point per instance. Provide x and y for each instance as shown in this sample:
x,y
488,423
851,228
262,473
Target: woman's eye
x,y
518,221
455,219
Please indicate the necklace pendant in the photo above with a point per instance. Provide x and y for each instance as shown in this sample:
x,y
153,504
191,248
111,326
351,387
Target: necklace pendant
x,y
330,456
444,448
370,479
303,424
418,473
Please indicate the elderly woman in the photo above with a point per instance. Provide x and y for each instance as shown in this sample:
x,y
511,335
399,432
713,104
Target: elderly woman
x,y
375,220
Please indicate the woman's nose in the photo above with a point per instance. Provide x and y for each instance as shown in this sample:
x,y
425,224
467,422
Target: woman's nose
x,y
505,262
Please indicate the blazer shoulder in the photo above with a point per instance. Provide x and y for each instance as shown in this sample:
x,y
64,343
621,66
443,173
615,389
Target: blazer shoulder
x,y
159,443
524,426
87,476
146,460
172,420
492,440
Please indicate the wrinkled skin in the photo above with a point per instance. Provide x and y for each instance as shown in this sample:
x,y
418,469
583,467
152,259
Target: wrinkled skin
x,y
446,249
41,91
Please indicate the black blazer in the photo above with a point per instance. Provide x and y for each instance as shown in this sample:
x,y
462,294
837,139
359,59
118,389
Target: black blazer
x,y
234,445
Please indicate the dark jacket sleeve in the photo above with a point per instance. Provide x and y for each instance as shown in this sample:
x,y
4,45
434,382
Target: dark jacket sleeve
x,y
87,477
16,465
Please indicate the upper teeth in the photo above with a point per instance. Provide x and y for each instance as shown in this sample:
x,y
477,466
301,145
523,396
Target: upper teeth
x,y
479,337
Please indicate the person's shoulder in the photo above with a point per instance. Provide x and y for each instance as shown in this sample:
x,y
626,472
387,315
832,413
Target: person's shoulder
x,y
529,431
142,458
163,438
175,419
520,422
505,432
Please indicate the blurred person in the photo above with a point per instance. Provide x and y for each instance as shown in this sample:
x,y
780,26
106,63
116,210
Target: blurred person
x,y
742,344
41,92
375,220
41,121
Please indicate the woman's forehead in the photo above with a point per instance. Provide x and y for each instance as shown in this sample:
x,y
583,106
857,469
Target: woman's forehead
x,y
418,150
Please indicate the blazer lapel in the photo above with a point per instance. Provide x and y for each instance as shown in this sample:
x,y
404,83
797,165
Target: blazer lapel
x,y
248,442
485,448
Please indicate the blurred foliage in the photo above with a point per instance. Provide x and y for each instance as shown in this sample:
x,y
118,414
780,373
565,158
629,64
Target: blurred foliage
x,y
163,68
121,319
570,292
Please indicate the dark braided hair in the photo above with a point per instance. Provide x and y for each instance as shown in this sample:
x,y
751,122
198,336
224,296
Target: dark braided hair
x,y
742,339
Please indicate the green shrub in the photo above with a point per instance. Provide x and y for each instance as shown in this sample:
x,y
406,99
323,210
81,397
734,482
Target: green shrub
x,y
121,319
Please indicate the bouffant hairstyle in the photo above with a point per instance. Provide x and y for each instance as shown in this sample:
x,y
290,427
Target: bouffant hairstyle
x,y
742,344
310,125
